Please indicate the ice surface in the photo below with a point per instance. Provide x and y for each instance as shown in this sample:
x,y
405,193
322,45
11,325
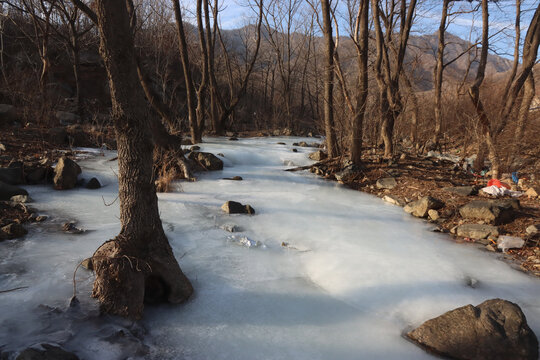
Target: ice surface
x,y
352,275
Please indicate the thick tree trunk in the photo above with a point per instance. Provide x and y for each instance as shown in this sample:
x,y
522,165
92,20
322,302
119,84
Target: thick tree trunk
x,y
138,264
331,142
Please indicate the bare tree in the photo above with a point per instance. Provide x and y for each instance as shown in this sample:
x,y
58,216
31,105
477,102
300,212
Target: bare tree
x,y
330,131
139,263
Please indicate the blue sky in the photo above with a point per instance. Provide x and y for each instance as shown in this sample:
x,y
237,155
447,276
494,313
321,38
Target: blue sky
x,y
235,14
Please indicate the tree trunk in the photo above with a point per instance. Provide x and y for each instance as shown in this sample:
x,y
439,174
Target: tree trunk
x,y
438,74
138,264
528,96
358,120
190,88
331,142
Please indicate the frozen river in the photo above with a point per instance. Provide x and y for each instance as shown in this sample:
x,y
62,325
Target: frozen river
x,y
357,273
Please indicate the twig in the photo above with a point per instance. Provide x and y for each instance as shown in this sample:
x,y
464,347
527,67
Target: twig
x,y
10,290
104,203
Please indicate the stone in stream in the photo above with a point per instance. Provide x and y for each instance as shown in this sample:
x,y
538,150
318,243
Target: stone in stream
x,y
93,184
420,208
87,264
208,160
477,231
233,207
386,183
495,329
234,178
488,211
8,191
12,231
65,174
433,214
46,352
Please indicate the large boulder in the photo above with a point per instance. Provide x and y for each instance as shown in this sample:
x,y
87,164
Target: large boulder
x,y
208,160
46,352
477,231
488,211
7,191
493,330
13,174
65,174
386,183
421,207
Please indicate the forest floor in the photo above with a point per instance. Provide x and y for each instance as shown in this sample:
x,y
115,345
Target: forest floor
x,y
416,176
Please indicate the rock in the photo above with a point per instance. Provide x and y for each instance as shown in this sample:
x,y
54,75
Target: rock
x,y
495,329
281,143
67,118
233,138
505,242
14,231
235,178
65,174
38,174
58,135
13,174
421,207
533,230
342,175
533,192
208,160
386,183
233,207
195,148
477,231
490,247
317,155
230,227
8,191
70,227
20,199
87,264
294,150
461,190
93,184
433,214
393,200
490,212
41,218
506,203
46,352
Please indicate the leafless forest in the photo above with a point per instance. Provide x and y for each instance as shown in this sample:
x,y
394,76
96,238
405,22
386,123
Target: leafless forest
x,y
359,72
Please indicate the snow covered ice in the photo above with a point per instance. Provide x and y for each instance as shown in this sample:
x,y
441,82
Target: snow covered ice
x,y
354,272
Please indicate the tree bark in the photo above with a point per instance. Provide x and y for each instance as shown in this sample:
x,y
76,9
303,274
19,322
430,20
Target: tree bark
x,y
438,74
357,133
138,264
331,142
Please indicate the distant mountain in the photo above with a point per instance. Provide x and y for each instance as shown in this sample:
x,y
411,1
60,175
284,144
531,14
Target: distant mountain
x,y
420,57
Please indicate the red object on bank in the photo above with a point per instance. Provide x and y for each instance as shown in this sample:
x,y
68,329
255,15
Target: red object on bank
x,y
498,184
